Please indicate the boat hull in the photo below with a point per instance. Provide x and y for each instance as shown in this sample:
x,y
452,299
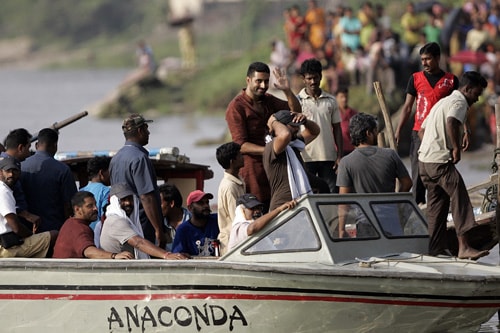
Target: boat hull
x,y
210,296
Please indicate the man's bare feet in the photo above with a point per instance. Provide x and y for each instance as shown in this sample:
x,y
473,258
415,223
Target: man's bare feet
x,y
472,254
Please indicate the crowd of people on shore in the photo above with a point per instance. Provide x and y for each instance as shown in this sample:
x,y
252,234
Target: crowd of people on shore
x,y
357,46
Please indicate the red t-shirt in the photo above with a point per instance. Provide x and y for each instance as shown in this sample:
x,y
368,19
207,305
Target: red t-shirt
x,y
74,237
427,95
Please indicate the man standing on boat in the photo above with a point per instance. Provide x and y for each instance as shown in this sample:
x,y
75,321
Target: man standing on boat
x,y
15,239
371,169
426,87
282,161
48,184
323,154
247,116
231,188
122,230
131,165
76,239
442,142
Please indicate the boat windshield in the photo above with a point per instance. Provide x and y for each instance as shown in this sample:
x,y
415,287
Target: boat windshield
x,y
296,233
395,219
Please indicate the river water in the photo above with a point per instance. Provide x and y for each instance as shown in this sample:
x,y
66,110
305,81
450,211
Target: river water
x,y
37,99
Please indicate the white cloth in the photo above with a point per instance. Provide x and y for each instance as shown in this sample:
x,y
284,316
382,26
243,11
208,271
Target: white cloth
x,y
115,209
297,178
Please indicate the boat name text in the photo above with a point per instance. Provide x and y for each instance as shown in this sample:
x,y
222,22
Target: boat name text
x,y
198,316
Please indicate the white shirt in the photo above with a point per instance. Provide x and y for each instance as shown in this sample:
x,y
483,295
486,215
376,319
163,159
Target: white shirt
x,y
436,146
324,111
7,206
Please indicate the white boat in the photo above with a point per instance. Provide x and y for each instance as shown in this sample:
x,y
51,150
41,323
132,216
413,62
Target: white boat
x,y
295,275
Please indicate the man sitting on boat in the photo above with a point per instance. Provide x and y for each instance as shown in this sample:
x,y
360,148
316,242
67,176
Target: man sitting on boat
x,y
249,220
198,236
16,240
173,212
98,185
122,229
17,146
76,239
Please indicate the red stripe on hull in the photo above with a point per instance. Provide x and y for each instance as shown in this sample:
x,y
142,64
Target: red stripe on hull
x,y
156,297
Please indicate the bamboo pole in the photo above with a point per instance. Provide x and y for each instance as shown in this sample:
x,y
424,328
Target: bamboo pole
x,y
386,114
387,119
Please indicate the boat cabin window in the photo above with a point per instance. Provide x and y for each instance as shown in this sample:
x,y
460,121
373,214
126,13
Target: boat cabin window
x,y
399,219
395,219
297,233
348,217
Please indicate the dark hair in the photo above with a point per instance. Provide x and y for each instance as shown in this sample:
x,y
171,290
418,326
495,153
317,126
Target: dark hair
x,y
311,66
473,79
342,90
79,198
258,67
226,153
431,48
358,126
95,164
48,136
171,193
19,136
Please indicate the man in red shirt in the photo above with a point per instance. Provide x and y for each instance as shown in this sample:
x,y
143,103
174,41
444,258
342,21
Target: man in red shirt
x,y
247,116
76,238
426,87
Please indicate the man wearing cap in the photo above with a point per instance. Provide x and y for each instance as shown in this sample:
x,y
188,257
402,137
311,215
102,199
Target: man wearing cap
x,y
76,238
282,161
122,229
197,235
48,184
249,220
131,165
16,240
246,117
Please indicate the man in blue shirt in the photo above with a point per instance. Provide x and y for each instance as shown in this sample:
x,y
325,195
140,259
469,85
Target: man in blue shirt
x,y
98,185
131,165
48,184
197,235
